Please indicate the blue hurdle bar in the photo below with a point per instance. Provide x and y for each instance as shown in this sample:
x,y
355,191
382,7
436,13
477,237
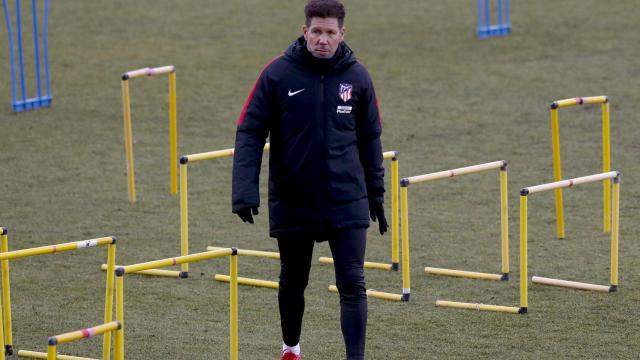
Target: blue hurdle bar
x,y
39,100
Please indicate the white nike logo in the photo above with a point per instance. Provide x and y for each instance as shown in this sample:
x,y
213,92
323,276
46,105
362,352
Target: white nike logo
x,y
295,92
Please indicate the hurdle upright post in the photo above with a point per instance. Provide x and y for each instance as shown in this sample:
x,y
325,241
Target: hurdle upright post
x,y
6,296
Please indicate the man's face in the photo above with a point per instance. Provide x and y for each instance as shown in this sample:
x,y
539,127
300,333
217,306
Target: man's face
x,y
323,36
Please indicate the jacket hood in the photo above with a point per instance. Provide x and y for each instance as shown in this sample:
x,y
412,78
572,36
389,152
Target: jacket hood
x,y
298,53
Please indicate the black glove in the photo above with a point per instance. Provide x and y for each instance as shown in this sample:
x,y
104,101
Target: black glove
x,y
377,212
245,214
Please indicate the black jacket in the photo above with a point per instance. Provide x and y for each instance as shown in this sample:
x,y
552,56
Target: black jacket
x,y
325,161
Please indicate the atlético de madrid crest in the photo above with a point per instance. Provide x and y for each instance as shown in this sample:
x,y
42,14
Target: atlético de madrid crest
x,y
345,92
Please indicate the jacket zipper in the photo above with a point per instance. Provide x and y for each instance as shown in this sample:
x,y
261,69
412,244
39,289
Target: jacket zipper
x,y
324,140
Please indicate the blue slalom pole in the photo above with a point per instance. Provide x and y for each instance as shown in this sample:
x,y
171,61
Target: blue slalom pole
x,y
487,17
36,48
12,53
23,86
45,45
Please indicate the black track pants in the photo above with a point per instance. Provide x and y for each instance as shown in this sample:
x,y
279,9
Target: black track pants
x,y
347,248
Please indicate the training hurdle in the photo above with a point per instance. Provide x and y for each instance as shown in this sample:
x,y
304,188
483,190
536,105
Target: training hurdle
x,y
503,25
524,194
395,229
6,339
504,216
40,100
107,328
173,125
606,157
500,165
137,268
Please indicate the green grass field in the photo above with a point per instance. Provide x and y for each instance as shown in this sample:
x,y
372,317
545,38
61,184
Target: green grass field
x,y
447,100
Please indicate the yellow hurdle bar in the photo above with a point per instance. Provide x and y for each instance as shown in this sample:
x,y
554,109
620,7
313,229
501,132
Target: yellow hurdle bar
x,y
173,126
41,355
50,249
606,156
569,284
376,294
256,253
478,307
455,172
248,281
152,272
464,274
177,260
367,264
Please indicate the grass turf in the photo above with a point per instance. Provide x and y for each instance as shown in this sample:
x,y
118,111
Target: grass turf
x,y
447,100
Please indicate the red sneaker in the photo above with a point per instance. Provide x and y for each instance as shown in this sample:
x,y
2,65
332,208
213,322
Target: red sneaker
x,y
288,355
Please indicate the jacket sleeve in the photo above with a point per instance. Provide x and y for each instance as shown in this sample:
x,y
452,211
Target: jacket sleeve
x,y
369,145
251,134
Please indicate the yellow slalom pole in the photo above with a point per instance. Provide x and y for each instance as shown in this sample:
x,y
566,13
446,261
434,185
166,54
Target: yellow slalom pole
x,y
233,307
395,229
406,274
523,253
606,167
184,216
6,297
173,133
557,171
128,140
52,352
119,338
3,241
504,220
615,228
108,300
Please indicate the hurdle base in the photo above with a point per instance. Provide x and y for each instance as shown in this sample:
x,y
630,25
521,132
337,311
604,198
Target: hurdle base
x,y
248,281
466,274
367,264
32,103
378,294
485,32
41,355
571,284
8,349
481,307
155,272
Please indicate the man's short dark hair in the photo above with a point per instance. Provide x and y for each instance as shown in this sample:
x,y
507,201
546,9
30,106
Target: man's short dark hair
x,y
324,9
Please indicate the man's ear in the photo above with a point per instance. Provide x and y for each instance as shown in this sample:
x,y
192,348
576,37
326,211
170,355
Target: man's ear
x,y
343,31
305,29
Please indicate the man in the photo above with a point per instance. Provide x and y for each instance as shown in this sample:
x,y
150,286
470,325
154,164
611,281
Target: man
x,y
319,107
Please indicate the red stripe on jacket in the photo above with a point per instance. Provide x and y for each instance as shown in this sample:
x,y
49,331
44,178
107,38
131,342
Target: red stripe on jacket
x,y
246,104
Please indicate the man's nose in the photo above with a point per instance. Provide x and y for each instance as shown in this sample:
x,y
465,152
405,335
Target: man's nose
x,y
323,39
